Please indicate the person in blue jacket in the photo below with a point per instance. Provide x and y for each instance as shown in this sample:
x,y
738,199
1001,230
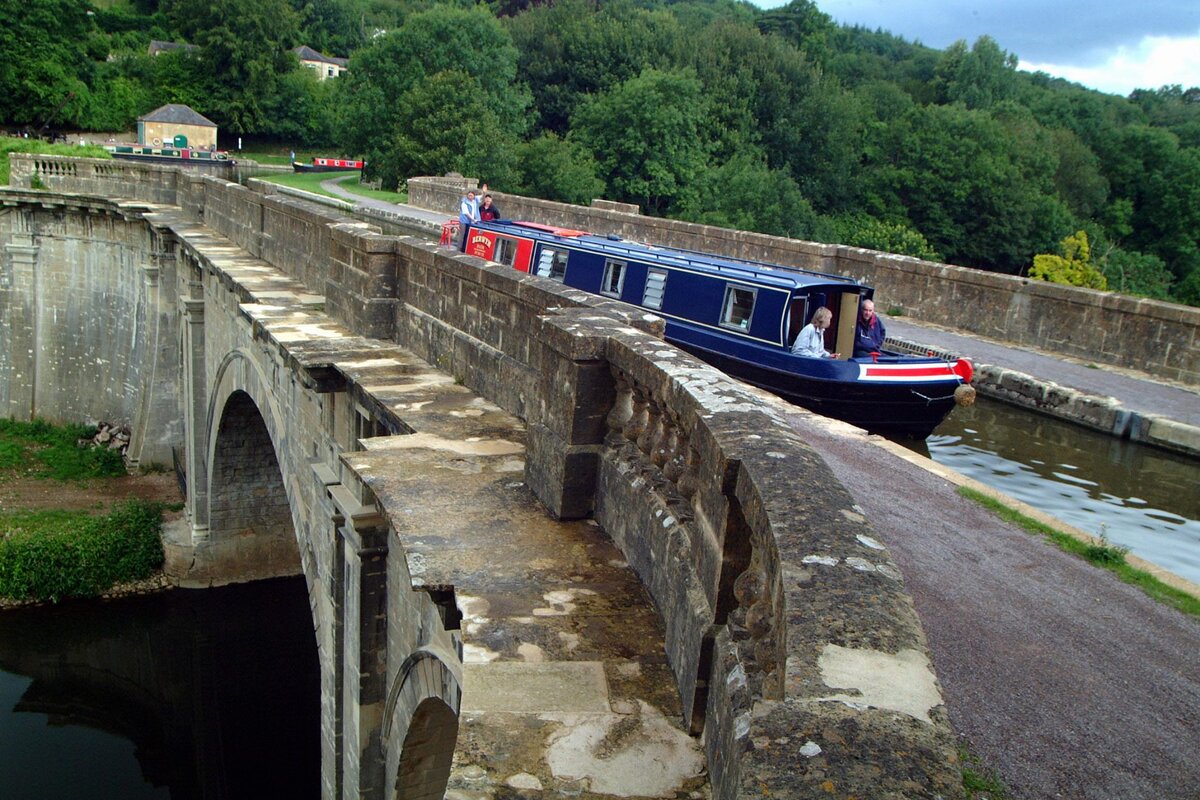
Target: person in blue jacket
x,y
868,333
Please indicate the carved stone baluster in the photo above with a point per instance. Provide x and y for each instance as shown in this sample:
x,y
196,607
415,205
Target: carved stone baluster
x,y
677,456
665,442
636,424
651,431
622,409
689,480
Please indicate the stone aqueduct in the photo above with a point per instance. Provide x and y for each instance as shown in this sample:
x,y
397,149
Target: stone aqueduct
x,y
346,403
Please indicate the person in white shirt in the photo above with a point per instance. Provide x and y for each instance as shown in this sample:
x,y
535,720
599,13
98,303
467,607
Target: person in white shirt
x,y
811,341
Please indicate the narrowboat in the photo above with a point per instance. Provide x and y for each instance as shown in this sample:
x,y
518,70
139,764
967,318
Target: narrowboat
x,y
328,165
168,155
742,317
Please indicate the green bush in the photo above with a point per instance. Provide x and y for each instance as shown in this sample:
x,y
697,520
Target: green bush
x,y
55,556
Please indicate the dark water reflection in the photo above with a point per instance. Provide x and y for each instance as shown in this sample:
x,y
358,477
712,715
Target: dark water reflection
x,y
187,694
1139,497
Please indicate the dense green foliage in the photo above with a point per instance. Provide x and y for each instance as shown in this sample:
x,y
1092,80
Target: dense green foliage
x,y
41,449
56,555
709,110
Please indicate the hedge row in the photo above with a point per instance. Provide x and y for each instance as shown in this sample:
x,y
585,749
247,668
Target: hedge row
x,y
84,559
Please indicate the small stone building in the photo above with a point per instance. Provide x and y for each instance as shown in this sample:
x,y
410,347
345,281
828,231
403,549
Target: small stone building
x,y
325,66
176,125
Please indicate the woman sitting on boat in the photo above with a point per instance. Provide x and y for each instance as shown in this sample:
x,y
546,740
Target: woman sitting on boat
x,y
811,341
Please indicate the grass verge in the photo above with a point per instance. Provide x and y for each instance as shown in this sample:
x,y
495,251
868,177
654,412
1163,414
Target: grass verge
x,y
40,449
980,782
10,144
311,182
1102,555
53,555
308,181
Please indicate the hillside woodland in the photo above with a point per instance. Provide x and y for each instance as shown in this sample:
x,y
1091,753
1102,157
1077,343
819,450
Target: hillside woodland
x,y
707,110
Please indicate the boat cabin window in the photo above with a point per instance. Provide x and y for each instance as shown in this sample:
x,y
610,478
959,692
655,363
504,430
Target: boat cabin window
x,y
656,286
614,278
552,264
738,307
506,251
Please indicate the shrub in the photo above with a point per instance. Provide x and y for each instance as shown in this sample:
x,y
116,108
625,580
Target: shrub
x,y
51,557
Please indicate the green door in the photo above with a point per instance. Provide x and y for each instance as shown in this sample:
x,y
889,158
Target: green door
x,y
180,141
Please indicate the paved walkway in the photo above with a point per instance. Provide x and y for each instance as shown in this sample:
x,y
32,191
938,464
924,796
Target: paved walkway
x,y
333,186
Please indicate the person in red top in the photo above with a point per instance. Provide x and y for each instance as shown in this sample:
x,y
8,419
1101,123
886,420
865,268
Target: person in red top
x,y
488,210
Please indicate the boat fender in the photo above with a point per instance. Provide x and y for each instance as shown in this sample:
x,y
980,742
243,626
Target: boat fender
x,y
964,395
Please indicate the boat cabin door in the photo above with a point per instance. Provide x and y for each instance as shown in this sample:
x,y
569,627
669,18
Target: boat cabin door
x,y
846,320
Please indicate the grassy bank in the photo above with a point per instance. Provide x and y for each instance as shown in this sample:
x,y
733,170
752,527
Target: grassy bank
x,y
9,144
39,449
51,554
311,182
1102,555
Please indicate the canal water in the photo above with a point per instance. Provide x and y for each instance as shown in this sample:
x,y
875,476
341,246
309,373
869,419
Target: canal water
x,y
187,694
1138,497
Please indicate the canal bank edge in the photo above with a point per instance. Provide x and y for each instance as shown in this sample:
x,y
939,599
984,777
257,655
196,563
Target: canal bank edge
x,y
1096,412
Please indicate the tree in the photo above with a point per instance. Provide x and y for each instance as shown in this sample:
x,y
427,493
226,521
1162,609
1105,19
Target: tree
x,y
46,69
330,26
1073,267
244,52
861,230
572,50
644,134
558,169
980,78
803,24
744,193
981,192
433,137
466,42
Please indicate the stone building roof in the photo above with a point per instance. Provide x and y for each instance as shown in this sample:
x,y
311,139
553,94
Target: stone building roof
x,y
157,47
306,53
177,114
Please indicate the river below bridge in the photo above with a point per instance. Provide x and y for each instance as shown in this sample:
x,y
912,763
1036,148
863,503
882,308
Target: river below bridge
x,y
186,694
1138,497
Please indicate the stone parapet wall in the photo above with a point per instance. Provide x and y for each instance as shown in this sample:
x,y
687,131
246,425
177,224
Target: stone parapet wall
x,y
1162,339
151,183
714,501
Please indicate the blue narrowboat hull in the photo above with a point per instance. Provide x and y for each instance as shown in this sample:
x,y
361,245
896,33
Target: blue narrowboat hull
x,y
894,408
741,318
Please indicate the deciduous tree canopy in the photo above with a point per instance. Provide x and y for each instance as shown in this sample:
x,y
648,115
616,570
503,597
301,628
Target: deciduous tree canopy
x,y
780,121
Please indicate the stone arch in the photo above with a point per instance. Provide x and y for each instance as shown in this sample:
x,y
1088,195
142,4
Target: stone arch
x,y
424,705
241,388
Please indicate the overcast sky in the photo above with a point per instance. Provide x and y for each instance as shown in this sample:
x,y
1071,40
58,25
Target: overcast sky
x,y
1111,45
